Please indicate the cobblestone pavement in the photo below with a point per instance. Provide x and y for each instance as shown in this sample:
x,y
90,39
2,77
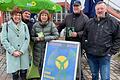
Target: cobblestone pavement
x,y
115,69
3,74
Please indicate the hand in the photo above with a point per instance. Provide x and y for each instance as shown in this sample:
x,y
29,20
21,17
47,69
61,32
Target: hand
x,y
37,38
20,53
40,39
74,34
16,53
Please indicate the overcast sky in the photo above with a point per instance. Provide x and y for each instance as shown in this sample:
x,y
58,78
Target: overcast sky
x,y
117,2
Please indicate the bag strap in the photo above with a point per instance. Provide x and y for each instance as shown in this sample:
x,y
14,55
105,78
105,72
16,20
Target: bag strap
x,y
51,27
25,31
7,27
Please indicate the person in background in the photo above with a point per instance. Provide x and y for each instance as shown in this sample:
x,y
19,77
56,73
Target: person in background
x,y
15,39
43,31
74,25
102,39
26,19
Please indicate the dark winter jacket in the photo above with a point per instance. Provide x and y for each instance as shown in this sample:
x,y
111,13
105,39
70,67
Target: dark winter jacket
x,y
102,37
29,24
77,21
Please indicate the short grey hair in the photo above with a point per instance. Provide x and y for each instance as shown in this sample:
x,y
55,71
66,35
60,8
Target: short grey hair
x,y
101,2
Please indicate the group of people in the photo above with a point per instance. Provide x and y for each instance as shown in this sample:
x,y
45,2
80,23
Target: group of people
x,y
16,36
99,37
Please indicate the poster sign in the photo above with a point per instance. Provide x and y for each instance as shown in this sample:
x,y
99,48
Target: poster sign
x,y
60,61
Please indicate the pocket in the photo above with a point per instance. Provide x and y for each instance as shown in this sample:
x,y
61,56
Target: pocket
x,y
108,45
108,57
108,48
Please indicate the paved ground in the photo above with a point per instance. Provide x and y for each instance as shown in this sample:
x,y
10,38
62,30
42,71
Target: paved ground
x,y
115,69
3,74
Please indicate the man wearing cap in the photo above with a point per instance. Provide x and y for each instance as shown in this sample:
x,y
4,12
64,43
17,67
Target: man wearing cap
x,y
74,23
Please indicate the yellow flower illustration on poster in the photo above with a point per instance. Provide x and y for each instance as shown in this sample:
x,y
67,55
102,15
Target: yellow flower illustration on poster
x,y
61,62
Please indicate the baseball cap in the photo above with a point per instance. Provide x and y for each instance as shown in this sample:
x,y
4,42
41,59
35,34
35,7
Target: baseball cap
x,y
78,3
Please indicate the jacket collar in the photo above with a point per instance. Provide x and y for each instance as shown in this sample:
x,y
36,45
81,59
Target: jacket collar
x,y
43,24
77,14
14,27
103,18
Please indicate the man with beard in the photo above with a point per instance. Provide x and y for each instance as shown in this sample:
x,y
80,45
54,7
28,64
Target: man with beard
x,y
102,39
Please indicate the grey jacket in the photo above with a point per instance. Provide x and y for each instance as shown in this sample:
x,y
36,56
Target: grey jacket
x,y
50,33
